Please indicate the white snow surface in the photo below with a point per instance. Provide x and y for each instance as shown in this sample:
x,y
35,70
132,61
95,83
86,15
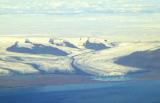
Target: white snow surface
x,y
78,61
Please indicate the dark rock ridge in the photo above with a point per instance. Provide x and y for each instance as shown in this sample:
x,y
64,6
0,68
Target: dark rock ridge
x,y
142,59
95,46
37,49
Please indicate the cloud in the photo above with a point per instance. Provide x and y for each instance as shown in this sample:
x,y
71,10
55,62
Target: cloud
x,y
79,6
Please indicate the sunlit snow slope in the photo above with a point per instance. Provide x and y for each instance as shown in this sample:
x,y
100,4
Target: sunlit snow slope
x,y
83,56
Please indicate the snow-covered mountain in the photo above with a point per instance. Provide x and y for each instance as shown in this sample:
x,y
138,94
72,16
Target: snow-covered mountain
x,y
35,49
83,56
61,42
148,59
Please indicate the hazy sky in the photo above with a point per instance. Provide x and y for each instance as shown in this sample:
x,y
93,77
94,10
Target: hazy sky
x,y
79,6
81,17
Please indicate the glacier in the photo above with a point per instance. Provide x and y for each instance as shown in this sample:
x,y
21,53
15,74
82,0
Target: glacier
x,y
78,55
